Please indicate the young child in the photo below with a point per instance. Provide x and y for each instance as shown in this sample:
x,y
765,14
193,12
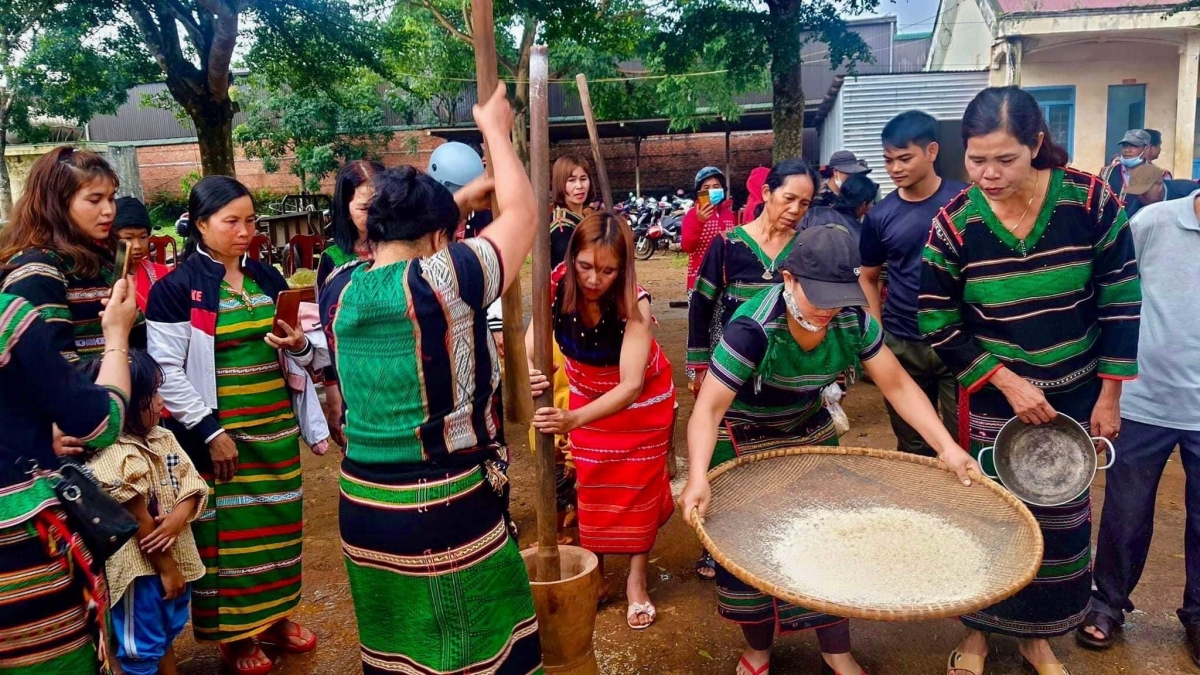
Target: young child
x,y
149,473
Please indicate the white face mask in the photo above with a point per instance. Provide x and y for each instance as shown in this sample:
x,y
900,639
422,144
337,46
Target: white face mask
x,y
793,308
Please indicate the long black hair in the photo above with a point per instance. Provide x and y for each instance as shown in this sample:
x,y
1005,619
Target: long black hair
x,y
351,176
207,198
1015,112
408,205
145,377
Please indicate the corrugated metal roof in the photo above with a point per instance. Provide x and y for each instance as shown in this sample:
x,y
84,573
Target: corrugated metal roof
x,y
867,103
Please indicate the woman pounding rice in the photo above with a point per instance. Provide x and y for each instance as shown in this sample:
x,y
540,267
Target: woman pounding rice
x,y
780,350
437,581
740,263
622,401
1030,294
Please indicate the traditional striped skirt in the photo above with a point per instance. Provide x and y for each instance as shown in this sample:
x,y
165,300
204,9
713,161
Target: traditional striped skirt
x,y
624,490
251,538
1057,600
738,601
46,626
438,584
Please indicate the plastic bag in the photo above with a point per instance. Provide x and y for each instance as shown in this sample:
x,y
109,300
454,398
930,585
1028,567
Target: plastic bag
x,y
832,396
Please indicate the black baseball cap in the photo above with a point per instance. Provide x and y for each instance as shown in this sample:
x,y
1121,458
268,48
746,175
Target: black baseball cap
x,y
825,261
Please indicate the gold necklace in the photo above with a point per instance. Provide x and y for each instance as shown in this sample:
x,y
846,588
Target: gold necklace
x,y
1028,205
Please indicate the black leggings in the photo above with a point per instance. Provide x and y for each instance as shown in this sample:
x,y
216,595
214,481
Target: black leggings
x,y
834,639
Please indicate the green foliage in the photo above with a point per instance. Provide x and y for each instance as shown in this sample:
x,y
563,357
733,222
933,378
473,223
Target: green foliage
x,y
320,127
55,62
188,181
740,37
430,68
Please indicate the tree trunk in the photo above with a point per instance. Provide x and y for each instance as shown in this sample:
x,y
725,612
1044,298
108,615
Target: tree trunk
x,y
214,133
6,196
787,107
521,102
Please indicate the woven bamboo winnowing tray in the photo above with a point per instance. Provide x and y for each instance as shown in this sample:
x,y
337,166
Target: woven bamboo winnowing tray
x,y
751,493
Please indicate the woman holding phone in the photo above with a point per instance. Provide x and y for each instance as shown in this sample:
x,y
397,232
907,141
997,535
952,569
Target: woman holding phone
x,y
711,217
57,252
226,383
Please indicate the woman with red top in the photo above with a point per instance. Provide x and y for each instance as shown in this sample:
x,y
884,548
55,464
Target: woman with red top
x,y
132,225
622,401
711,217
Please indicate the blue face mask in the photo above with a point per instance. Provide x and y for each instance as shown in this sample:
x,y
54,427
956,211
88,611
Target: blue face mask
x,y
716,196
1130,162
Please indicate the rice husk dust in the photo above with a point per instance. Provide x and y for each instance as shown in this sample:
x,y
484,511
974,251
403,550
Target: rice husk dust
x,y
878,557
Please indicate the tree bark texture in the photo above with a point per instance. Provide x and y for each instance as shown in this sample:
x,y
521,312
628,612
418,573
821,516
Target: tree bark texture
x,y
214,134
6,197
787,107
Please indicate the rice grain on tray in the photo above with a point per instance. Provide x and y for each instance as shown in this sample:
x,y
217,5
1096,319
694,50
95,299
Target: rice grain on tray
x,y
878,557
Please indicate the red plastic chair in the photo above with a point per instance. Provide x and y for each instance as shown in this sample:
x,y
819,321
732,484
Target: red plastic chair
x,y
260,248
158,250
302,252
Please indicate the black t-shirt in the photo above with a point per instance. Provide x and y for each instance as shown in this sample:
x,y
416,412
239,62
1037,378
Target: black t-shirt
x,y
895,232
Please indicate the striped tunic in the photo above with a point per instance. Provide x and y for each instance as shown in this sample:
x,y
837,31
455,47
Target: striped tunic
x,y
1060,309
70,305
778,404
1057,307
437,580
52,608
250,536
734,270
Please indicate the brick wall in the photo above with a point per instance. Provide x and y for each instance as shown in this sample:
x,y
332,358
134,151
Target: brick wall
x,y
668,162
162,166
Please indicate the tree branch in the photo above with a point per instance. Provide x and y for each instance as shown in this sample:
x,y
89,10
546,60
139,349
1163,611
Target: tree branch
x,y
224,40
184,16
441,19
166,52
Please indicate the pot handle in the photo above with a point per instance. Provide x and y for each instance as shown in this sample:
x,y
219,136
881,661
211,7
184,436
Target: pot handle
x,y
1112,452
979,459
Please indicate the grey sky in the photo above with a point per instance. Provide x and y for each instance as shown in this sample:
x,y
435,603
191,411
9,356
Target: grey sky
x,y
912,16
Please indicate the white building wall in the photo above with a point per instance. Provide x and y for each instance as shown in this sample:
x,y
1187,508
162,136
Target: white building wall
x,y
866,104
831,131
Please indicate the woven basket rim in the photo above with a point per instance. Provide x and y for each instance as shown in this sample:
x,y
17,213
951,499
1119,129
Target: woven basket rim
x,y
921,612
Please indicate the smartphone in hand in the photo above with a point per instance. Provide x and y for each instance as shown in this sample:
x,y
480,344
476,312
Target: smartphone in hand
x,y
287,310
121,264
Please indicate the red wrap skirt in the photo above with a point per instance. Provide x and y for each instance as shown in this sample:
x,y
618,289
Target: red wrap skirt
x,y
621,460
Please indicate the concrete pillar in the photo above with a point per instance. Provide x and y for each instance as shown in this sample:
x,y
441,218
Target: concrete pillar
x,y
1185,106
124,161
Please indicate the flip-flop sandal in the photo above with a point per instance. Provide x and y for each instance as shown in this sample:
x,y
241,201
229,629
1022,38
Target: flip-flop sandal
x,y
972,663
257,654
636,608
284,641
764,669
1102,622
706,567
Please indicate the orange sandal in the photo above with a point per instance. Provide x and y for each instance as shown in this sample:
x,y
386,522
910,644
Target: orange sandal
x,y
286,639
257,654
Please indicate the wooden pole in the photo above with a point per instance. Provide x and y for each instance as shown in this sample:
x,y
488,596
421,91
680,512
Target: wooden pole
x,y
585,99
518,403
728,166
637,164
548,568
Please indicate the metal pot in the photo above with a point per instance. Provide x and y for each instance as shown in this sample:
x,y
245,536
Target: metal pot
x,y
1046,464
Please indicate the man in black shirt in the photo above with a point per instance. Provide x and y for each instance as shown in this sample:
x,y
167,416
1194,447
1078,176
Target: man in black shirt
x,y
894,233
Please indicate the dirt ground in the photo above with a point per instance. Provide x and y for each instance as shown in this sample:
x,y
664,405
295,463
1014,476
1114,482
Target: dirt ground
x,y
689,637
